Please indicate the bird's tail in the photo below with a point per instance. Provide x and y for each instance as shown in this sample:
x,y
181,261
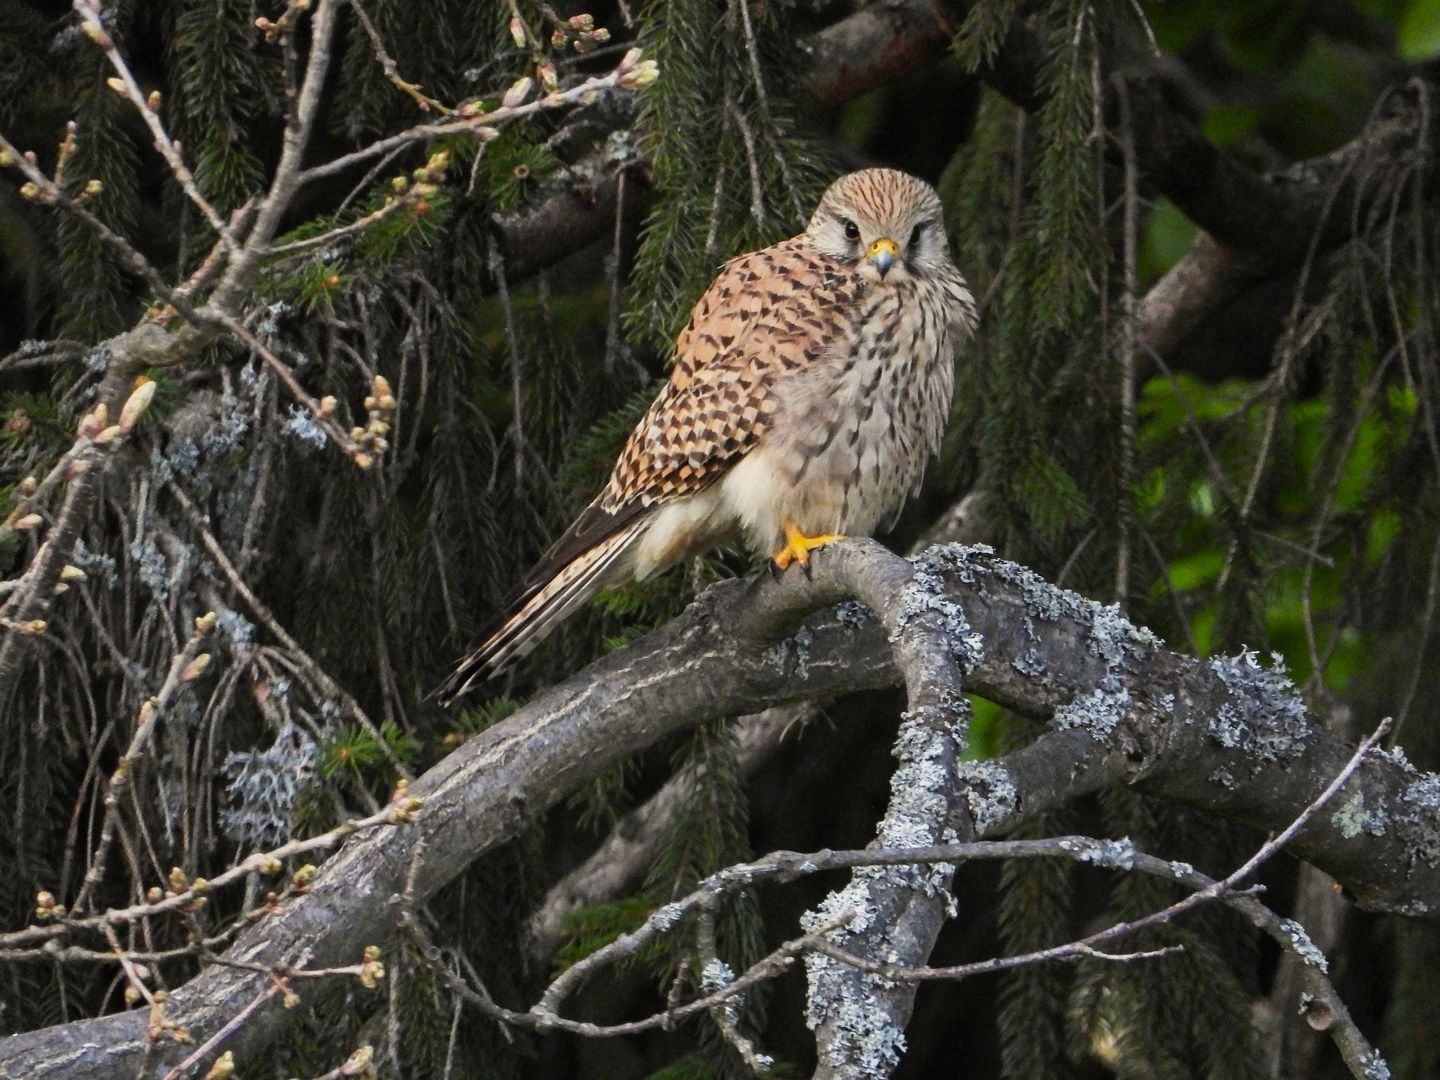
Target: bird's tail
x,y
556,587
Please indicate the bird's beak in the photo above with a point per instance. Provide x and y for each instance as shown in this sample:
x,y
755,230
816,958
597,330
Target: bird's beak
x,y
884,251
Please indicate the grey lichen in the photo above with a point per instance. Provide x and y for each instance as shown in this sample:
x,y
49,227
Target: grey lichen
x,y
1098,712
926,594
1264,715
1352,818
229,431
920,788
240,630
1030,662
865,1041
715,975
667,916
264,788
1417,815
792,654
1303,946
851,905
1111,854
96,565
854,614
1114,638
1394,757
990,794
303,426
151,567
1374,1066
1223,778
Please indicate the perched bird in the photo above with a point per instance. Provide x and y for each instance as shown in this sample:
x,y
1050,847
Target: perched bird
x,y
809,388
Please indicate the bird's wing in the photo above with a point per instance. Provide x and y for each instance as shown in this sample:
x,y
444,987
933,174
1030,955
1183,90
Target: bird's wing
x,y
768,315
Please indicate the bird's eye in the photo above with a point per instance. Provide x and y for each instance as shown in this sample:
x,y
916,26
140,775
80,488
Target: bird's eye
x,y
852,231
915,234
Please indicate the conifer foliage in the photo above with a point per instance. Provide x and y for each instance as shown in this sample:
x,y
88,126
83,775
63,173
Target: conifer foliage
x,y
322,317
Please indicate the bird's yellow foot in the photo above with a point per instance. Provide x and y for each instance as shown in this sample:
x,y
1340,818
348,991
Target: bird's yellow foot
x,y
798,546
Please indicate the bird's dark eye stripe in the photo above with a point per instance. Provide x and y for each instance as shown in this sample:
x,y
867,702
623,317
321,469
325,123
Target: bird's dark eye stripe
x,y
915,232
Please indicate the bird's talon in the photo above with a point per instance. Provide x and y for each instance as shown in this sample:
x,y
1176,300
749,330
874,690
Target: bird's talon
x,y
798,547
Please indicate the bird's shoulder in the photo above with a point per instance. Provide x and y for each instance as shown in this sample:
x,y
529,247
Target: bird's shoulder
x,y
781,305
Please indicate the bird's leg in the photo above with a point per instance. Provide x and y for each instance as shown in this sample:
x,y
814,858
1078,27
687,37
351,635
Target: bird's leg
x,y
798,546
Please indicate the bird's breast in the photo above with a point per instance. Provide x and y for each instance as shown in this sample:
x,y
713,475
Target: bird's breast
x,y
852,434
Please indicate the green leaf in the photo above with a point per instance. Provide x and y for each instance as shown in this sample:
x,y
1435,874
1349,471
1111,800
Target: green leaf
x,y
1419,30
1168,235
1227,124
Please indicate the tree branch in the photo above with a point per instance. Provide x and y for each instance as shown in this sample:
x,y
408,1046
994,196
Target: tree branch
x,y
1122,710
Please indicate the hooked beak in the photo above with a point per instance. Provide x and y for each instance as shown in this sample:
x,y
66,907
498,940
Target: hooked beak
x,y
884,252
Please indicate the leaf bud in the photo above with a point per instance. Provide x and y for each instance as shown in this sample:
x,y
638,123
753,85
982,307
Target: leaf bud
x,y
517,94
358,1063
95,421
136,404
643,74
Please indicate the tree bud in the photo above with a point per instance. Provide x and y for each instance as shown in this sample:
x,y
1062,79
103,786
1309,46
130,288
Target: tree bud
x,y
517,94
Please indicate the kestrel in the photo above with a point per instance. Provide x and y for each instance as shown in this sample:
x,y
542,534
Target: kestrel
x,y
809,388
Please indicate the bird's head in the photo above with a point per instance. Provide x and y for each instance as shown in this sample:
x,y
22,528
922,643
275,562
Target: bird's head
x,y
886,223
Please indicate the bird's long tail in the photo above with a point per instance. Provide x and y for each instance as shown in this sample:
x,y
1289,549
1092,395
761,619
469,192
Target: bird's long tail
x,y
561,582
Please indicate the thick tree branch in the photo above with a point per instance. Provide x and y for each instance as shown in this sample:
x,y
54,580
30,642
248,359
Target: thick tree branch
x,y
1221,735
